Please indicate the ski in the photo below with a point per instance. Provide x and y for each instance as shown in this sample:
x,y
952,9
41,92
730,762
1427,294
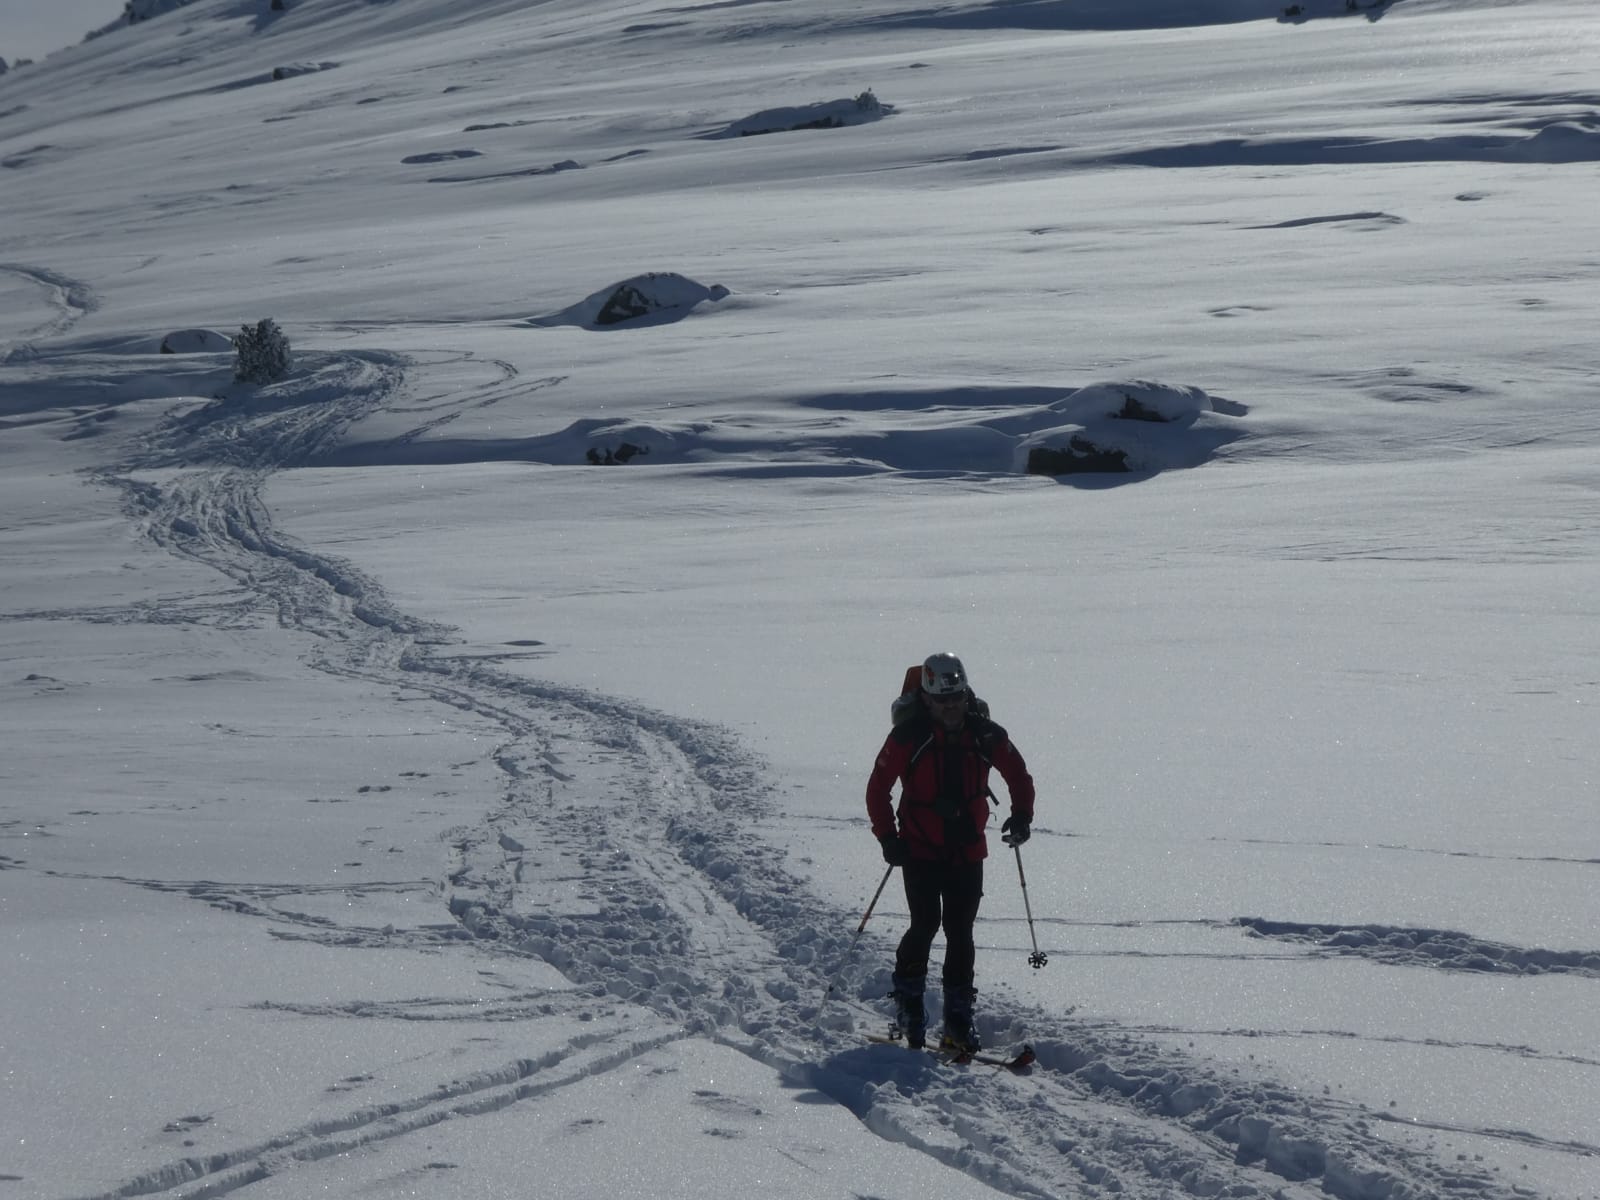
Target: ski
x,y
1024,1059
893,1038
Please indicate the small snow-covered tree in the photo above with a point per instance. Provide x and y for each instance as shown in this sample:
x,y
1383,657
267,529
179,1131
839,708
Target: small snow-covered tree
x,y
261,353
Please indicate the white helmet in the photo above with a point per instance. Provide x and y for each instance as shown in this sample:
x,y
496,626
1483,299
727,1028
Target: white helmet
x,y
943,675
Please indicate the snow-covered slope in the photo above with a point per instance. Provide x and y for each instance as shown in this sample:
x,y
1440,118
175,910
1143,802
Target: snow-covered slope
x,y
396,804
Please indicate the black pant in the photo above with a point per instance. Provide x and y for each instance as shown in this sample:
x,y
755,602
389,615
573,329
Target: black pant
x,y
946,893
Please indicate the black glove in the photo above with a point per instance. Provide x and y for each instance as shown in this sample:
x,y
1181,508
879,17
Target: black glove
x,y
894,850
1015,831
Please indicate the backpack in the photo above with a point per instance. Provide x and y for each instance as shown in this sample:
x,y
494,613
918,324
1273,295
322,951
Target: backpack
x,y
905,707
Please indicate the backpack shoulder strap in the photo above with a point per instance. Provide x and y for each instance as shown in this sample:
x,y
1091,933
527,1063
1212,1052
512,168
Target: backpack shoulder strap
x,y
915,732
987,732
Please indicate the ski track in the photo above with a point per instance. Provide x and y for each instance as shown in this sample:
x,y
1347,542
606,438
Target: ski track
x,y
476,1095
68,300
619,853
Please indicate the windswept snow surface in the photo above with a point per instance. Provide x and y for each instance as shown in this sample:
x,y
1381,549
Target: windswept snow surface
x,y
393,803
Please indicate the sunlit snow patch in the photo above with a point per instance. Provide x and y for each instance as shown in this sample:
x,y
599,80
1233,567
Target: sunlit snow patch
x,y
656,298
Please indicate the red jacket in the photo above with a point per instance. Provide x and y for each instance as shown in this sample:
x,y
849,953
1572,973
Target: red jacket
x,y
944,786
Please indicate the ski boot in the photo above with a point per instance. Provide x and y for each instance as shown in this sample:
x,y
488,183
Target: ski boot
x,y
959,1037
910,1019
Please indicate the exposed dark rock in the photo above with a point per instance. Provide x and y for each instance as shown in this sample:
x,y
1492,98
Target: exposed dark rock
x,y
439,156
613,458
819,123
1080,457
1132,410
625,303
831,114
290,70
134,11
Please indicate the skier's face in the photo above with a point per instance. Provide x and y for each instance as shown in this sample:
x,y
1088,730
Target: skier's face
x,y
949,711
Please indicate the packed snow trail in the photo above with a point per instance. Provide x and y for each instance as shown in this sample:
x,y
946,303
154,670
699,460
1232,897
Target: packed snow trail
x,y
620,853
66,299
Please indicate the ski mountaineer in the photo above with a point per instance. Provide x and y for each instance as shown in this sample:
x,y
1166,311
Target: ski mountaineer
x,y
941,752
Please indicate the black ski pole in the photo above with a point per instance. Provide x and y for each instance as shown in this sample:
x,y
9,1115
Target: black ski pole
x,y
1038,958
865,917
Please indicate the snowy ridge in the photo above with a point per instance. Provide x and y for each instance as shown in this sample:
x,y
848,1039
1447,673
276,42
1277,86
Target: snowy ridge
x,y
1443,948
713,938
1148,426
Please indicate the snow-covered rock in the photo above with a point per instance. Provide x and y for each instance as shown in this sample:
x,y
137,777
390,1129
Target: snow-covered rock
x,y
290,70
828,114
661,295
1135,426
196,341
